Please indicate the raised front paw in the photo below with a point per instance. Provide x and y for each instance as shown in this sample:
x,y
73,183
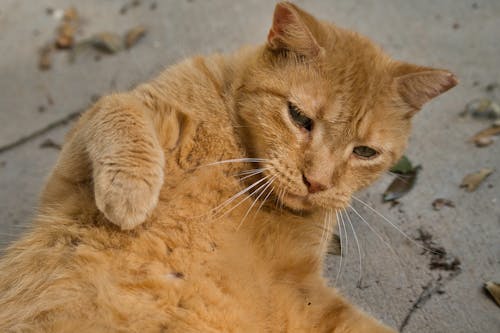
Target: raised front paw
x,y
127,196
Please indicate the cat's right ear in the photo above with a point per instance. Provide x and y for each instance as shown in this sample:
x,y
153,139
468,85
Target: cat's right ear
x,y
289,32
417,85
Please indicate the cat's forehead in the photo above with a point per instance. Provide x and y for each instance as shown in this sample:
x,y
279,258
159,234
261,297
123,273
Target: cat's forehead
x,y
336,98
311,96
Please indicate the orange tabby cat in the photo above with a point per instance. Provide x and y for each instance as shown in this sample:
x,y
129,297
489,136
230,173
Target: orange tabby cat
x,y
198,202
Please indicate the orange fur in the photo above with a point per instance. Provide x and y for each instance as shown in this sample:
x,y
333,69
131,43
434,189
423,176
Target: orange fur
x,y
127,239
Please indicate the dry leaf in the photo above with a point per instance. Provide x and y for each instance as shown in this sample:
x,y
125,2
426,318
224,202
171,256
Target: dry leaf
x,y
65,36
107,42
482,108
485,137
134,35
494,289
438,204
66,31
401,185
483,142
473,180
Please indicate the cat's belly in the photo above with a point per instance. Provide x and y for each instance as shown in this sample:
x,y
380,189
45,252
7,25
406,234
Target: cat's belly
x,y
187,277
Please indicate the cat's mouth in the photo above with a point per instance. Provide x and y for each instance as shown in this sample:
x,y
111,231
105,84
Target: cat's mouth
x,y
310,201
297,202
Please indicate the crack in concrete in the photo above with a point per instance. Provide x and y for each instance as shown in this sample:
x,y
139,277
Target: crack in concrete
x,y
25,139
433,287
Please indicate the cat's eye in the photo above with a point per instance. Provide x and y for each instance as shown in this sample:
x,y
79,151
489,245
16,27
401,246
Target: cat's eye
x,y
299,118
365,152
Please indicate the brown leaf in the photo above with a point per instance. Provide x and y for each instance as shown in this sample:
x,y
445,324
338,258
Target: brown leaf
x,y
485,137
472,181
134,35
65,38
401,185
107,42
438,204
494,289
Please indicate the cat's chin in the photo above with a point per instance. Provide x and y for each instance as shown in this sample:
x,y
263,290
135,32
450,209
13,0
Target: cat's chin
x,y
297,202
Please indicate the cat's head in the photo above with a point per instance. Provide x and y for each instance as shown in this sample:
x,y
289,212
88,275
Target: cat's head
x,y
328,109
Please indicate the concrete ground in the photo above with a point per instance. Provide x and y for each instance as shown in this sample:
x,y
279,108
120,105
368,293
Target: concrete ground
x,y
397,285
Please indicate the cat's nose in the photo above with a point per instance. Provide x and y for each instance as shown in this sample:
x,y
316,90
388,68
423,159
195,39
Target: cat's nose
x,y
313,186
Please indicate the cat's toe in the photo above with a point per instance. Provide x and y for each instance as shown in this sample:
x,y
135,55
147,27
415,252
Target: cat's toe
x,y
127,199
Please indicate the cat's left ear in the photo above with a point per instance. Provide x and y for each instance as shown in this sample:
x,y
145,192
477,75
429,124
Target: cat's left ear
x,y
417,85
290,31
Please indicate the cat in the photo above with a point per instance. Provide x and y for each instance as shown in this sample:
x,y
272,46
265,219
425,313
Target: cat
x,y
202,201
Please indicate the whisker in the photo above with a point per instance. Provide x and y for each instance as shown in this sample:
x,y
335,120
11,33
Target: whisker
x,y
237,160
248,196
404,180
341,251
264,201
231,199
277,199
357,245
246,172
250,175
345,233
394,225
376,233
282,205
323,232
266,185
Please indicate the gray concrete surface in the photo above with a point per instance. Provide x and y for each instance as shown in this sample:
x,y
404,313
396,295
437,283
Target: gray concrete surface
x,y
460,35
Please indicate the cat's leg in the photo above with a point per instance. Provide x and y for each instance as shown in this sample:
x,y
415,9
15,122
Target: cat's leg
x,y
127,160
115,148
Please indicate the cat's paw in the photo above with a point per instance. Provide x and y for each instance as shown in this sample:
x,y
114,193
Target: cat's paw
x,y
125,197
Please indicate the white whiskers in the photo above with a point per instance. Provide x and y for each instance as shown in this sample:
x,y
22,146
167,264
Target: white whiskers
x,y
234,197
251,173
341,251
325,230
263,189
382,239
392,224
237,160
358,246
264,201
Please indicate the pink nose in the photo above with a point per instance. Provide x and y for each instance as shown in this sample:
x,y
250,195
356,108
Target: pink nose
x,y
313,186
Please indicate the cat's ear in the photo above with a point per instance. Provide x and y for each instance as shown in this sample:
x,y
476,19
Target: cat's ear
x,y
290,31
417,85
